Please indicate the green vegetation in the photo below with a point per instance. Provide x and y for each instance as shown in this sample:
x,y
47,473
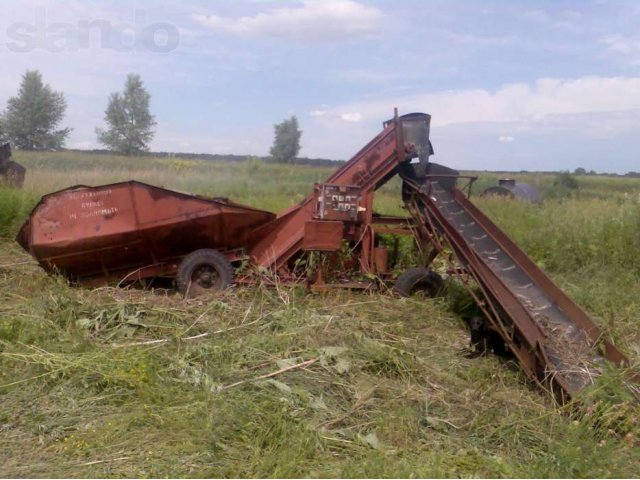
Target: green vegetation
x,y
130,125
286,143
32,117
114,382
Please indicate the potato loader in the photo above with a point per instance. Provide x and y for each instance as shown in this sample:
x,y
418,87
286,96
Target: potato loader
x,y
132,231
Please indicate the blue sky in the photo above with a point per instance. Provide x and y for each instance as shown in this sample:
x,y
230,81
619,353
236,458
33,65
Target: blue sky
x,y
542,85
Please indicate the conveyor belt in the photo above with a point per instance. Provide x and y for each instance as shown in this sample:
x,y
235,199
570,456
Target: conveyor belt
x,y
550,333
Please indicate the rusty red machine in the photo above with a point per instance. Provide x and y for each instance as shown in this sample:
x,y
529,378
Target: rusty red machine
x,y
132,231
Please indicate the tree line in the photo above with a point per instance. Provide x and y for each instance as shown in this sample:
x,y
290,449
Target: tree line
x,y
32,120
33,117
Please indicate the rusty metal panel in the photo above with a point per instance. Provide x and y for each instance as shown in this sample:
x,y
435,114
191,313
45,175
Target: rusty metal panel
x,y
381,259
323,235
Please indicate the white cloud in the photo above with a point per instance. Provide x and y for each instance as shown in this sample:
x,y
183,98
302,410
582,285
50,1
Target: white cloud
x,y
600,116
351,117
511,103
318,113
599,141
505,139
313,20
623,46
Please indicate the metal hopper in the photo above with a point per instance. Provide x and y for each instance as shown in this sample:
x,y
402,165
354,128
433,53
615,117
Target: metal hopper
x,y
107,232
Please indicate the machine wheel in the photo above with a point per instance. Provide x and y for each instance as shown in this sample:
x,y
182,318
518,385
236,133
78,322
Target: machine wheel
x,y
204,271
418,279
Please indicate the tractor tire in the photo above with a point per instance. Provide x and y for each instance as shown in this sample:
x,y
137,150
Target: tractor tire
x,y
418,279
204,271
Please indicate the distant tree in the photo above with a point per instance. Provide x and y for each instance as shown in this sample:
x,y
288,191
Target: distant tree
x,y
130,125
579,171
32,117
286,144
565,179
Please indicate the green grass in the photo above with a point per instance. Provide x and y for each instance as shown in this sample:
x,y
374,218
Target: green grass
x,y
111,383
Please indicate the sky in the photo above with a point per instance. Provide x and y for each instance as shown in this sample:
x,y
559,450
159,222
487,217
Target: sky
x,y
510,85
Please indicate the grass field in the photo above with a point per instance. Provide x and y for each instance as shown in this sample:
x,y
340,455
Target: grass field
x,y
129,383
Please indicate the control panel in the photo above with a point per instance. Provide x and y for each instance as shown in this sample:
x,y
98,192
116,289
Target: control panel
x,y
337,202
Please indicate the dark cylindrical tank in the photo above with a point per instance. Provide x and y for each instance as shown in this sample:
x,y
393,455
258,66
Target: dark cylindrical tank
x,y
508,187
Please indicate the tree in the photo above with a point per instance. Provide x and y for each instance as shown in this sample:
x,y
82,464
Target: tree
x,y
579,171
32,117
565,179
286,144
130,125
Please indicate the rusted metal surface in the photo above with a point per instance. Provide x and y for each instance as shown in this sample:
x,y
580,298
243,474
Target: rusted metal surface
x,y
12,172
381,259
323,236
368,170
554,339
130,228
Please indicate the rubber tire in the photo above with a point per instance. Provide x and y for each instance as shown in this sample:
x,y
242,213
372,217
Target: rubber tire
x,y
419,278
199,258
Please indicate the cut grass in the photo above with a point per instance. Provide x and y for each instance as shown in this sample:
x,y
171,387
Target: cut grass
x,y
390,393
114,382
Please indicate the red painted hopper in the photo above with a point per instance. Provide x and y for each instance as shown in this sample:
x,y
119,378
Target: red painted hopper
x,y
108,232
